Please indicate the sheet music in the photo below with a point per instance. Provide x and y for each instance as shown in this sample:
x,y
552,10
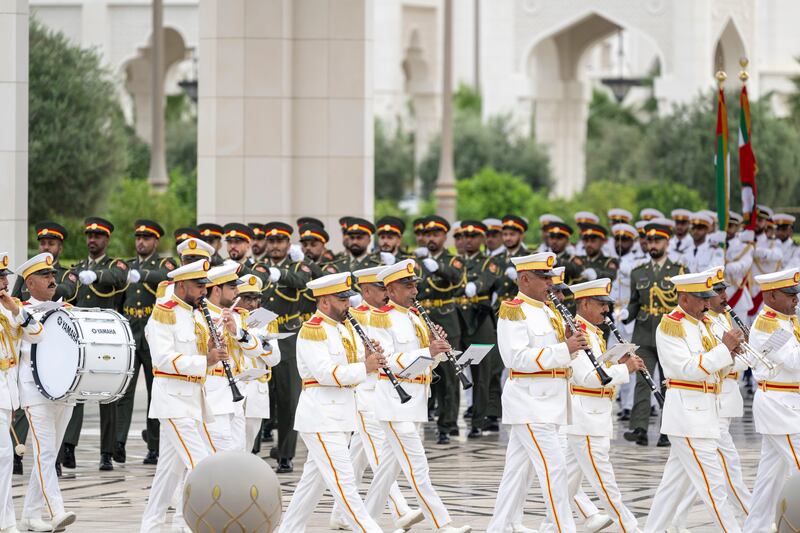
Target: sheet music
x,y
618,350
420,365
260,318
474,354
250,374
776,340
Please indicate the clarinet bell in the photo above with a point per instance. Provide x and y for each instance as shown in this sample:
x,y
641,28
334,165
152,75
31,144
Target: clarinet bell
x,y
237,395
404,396
467,384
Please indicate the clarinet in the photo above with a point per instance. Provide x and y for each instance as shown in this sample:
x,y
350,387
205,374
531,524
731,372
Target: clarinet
x,y
644,372
212,331
465,381
605,379
404,396
738,321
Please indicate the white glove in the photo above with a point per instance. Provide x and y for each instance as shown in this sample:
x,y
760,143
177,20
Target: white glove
x,y
422,252
511,273
623,315
388,259
274,274
87,277
430,264
760,253
355,300
590,274
747,235
134,276
296,253
494,298
470,289
717,238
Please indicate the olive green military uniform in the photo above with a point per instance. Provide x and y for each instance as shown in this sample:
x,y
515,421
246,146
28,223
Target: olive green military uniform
x,y
111,280
652,296
505,287
348,263
478,327
437,294
283,298
137,306
605,267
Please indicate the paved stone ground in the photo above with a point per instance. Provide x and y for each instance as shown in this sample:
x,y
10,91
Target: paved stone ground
x,y
466,474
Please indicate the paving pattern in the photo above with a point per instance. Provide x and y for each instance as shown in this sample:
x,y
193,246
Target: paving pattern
x,y
466,473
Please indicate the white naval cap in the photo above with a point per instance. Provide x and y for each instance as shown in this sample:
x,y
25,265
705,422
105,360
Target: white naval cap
x,y
717,274
784,281
783,219
620,214
368,275
697,284
493,224
547,218
625,230
599,289
765,211
193,271
224,273
701,218
339,285
733,216
42,262
4,270
649,213
558,278
193,246
541,263
583,217
398,271
640,224
681,214
663,221
250,283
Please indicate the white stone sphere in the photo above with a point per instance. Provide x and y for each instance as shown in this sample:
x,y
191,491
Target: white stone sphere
x,y
787,517
232,491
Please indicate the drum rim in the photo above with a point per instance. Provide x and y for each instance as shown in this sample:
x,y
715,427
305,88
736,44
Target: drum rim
x,y
36,379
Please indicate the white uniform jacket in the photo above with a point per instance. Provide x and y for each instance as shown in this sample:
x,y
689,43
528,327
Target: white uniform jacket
x,y
731,404
679,246
327,354
365,392
404,337
591,402
738,267
529,343
12,334
702,257
256,403
621,288
691,360
218,390
791,253
767,258
178,344
776,405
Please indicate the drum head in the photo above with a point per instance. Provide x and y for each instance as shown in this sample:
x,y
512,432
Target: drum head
x,y
55,359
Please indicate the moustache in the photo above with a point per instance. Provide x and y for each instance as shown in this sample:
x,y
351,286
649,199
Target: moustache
x,y
51,285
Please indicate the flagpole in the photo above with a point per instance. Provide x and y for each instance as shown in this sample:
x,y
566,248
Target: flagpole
x,y
721,161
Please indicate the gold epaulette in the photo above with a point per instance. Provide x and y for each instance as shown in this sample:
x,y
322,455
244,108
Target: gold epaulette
x,y
164,314
313,330
244,313
379,318
766,322
511,310
272,327
671,325
361,316
161,290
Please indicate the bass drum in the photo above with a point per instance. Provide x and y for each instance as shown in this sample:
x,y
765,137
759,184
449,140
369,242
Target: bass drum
x,y
84,355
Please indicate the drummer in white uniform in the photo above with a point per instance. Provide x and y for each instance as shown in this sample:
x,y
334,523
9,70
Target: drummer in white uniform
x,y
47,419
256,403
180,361
16,325
227,431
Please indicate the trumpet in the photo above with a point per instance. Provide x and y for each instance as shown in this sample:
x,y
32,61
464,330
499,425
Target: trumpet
x,y
749,355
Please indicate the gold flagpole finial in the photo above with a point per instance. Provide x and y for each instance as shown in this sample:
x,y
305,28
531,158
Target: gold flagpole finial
x,y
721,77
743,75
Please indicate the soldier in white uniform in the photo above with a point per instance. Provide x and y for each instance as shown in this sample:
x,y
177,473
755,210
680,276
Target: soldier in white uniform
x,y
404,336
182,351
47,419
692,361
227,431
369,438
327,360
681,240
589,434
767,256
16,325
701,255
776,405
738,267
256,403
784,229
536,395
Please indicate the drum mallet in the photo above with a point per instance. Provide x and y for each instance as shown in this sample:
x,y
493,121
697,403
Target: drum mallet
x,y
19,449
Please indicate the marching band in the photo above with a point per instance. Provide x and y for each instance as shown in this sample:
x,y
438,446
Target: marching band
x,y
354,352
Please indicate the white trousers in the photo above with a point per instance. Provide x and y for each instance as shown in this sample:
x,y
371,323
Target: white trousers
x,y
7,517
692,463
226,432
47,422
738,494
328,466
251,428
780,458
184,444
536,444
365,444
403,450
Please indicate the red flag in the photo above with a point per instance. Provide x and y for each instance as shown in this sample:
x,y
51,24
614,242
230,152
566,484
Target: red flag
x,y
748,167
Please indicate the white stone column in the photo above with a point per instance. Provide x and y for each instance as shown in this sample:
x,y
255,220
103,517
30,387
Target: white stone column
x,y
14,128
285,110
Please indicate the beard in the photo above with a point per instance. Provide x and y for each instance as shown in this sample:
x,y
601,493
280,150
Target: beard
x,y
356,249
655,253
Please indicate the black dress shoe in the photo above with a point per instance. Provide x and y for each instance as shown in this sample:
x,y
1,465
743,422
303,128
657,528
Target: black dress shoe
x,y
444,438
475,433
653,411
273,453
431,416
491,426
454,432
151,458
468,412
17,464
69,456
267,436
144,435
663,441
105,462
624,415
119,455
58,470
638,435
284,466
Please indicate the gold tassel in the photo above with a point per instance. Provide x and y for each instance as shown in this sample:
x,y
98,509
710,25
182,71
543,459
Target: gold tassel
x,y
360,316
422,335
272,327
311,332
163,315
509,311
202,336
766,324
671,327
161,290
380,320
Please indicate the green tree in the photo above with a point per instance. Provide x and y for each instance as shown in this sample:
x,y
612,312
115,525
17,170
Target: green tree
x,y
77,144
394,161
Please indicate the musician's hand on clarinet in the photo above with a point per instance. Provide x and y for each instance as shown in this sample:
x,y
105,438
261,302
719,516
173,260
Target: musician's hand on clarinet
x,y
577,341
8,302
440,332
229,322
375,360
733,339
439,346
215,355
635,364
